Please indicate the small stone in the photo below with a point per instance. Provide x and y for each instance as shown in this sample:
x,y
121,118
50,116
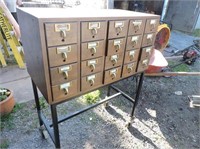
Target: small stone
x,y
179,93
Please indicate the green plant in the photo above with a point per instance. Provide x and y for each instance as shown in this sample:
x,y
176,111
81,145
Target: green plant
x,y
196,32
4,144
180,68
92,97
42,102
4,93
7,120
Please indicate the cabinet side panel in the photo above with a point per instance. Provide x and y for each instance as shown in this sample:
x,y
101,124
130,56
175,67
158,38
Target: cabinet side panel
x,y
31,40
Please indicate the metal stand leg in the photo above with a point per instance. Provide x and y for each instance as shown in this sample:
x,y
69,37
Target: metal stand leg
x,y
37,102
138,89
55,126
106,104
108,92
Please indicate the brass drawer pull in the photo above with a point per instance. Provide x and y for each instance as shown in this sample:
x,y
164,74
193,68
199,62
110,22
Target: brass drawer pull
x,y
130,67
64,50
93,26
93,50
65,73
62,28
92,67
91,79
145,62
131,55
114,59
64,55
152,24
149,38
64,70
113,73
92,46
91,64
65,87
137,25
148,50
94,31
117,44
134,40
63,34
119,26
91,82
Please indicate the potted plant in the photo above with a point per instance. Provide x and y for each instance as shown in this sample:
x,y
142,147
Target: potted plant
x,y
7,101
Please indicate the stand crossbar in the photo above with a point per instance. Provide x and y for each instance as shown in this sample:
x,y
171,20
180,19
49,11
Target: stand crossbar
x,y
53,129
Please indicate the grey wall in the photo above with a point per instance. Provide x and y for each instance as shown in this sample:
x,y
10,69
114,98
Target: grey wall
x,y
183,14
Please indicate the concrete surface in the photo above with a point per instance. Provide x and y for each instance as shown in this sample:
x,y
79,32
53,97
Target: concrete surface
x,y
19,80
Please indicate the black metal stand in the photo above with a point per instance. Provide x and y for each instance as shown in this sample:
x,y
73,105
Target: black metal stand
x,y
53,128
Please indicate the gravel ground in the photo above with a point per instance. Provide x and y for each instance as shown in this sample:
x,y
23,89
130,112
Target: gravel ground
x,y
162,120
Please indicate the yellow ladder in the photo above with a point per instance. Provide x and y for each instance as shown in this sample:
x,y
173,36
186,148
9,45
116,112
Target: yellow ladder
x,y
12,40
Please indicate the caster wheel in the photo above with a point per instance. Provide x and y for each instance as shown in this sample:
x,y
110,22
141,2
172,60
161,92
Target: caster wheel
x,y
44,132
106,104
128,124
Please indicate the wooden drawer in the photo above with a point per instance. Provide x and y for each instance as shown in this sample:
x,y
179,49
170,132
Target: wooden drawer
x,y
62,55
146,52
136,26
92,49
117,28
116,46
131,56
148,39
129,69
114,60
143,65
61,33
134,42
65,90
112,75
151,25
91,81
92,66
63,74
93,30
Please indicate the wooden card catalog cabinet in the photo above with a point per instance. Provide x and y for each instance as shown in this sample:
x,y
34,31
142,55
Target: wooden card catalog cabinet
x,y
70,52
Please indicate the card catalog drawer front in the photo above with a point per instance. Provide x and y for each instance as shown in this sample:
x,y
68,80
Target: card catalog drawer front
x,y
151,25
131,56
62,55
92,66
117,29
91,81
112,75
63,74
146,52
129,69
136,26
93,30
148,39
61,33
91,50
65,90
114,60
134,42
116,46
143,65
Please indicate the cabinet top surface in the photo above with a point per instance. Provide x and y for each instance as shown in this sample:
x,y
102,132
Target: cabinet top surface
x,y
82,13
